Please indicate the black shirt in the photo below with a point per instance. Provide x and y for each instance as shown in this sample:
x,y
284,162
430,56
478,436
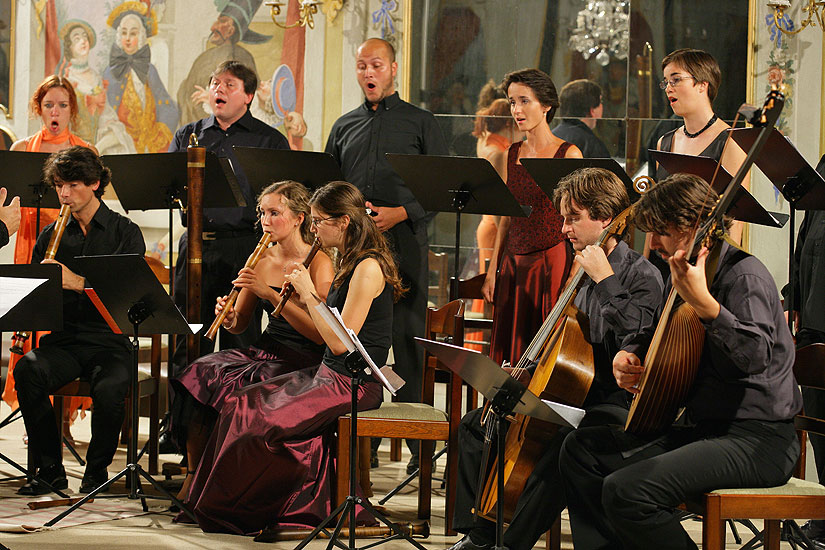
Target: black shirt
x,y
579,134
4,234
247,131
375,333
746,369
809,268
622,311
359,140
108,233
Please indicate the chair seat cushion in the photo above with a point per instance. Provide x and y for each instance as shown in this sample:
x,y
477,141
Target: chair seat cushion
x,y
405,411
794,486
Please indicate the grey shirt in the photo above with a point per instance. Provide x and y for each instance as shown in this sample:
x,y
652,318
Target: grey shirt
x,y
746,369
622,311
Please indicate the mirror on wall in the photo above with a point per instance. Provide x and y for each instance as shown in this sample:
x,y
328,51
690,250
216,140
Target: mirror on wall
x,y
460,45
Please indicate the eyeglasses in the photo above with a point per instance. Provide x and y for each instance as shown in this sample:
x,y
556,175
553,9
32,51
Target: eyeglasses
x,y
672,81
317,221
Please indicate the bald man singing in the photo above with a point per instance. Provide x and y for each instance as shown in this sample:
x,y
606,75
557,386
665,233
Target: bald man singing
x,y
384,123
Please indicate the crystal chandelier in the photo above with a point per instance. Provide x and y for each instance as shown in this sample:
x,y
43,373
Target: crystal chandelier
x,y
602,27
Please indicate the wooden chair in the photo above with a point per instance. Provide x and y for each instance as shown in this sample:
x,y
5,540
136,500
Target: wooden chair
x,y
438,266
148,385
477,325
417,420
797,498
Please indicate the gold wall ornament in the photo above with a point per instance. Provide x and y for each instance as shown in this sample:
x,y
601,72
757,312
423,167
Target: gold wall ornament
x,y
331,9
814,8
307,9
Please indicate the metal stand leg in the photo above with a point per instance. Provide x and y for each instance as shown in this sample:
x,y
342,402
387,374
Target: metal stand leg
x,y
346,510
133,470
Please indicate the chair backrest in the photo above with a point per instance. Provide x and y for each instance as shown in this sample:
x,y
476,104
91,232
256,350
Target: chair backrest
x,y
445,324
439,292
160,269
809,370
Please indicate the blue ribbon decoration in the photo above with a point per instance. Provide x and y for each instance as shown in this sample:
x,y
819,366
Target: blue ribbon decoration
x,y
383,17
784,22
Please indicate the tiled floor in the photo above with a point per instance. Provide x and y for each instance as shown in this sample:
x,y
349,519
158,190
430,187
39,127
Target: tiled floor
x,y
156,531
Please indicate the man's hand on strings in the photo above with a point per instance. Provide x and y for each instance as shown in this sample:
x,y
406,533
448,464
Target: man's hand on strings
x,y
627,370
691,284
594,262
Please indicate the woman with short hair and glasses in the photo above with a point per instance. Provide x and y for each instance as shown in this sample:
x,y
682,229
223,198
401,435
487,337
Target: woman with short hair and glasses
x,y
270,460
691,82
290,341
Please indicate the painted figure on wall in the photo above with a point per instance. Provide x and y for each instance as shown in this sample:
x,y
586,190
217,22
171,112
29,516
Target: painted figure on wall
x,y
97,122
135,90
230,28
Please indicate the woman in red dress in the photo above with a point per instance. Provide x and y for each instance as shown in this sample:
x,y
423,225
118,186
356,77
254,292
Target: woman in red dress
x,y
531,258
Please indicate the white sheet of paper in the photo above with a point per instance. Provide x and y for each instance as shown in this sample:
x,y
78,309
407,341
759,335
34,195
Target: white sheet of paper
x,y
195,327
14,290
350,340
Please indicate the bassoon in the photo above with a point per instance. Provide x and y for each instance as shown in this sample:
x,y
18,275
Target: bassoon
x,y
195,172
251,262
18,340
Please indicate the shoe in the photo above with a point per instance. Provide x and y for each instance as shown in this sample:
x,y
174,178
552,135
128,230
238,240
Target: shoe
x,y
815,531
166,446
92,480
412,465
467,544
54,475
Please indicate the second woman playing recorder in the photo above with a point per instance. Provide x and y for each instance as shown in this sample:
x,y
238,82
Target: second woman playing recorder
x,y
290,339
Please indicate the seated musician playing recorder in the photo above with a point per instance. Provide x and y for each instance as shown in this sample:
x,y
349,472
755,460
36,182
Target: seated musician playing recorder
x,y
737,429
621,296
86,347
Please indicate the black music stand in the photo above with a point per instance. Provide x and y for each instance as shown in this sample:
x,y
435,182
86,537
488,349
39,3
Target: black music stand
x,y
507,396
137,303
788,171
265,166
23,176
358,363
547,172
745,207
166,189
33,311
474,188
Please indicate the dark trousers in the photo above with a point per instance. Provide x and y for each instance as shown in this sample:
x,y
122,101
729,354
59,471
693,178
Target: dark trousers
x,y
222,260
409,246
622,490
102,359
542,499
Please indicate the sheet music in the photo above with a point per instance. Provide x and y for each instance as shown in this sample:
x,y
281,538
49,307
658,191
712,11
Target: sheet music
x,y
14,290
350,340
